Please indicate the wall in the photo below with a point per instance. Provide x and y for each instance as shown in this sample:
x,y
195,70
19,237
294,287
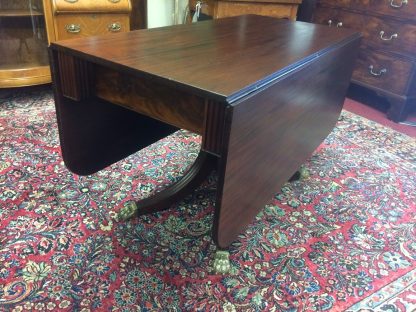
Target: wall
x,y
161,12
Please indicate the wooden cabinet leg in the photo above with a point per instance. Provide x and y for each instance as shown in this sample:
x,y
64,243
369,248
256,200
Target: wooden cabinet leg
x,y
398,109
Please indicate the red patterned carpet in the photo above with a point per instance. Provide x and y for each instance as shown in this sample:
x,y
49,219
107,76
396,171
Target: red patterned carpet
x,y
343,239
379,116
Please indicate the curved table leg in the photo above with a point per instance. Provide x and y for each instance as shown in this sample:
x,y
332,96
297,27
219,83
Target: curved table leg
x,y
202,167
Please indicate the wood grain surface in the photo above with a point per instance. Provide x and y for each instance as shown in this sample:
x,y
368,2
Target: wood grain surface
x,y
172,106
222,59
389,36
273,132
396,78
235,8
90,24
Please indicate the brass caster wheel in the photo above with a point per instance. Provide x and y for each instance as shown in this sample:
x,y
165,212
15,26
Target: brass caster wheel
x,y
128,211
222,262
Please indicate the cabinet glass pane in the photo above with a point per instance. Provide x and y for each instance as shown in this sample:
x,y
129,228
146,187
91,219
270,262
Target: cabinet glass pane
x,y
23,40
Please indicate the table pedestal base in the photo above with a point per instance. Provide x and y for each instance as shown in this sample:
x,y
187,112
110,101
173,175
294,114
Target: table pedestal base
x,y
204,164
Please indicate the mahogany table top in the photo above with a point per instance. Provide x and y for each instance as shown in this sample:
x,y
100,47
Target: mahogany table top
x,y
223,59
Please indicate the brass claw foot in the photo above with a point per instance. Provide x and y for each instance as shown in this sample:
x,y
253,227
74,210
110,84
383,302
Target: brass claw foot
x,y
304,173
128,211
222,262
301,174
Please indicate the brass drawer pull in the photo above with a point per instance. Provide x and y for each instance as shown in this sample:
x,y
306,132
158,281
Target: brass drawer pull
x,y
339,24
394,36
393,5
372,72
71,1
114,27
73,28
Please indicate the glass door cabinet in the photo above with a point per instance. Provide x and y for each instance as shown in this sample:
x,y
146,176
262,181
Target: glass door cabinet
x,y
23,44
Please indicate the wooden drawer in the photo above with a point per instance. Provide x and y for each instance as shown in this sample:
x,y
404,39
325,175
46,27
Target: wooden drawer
x,y
381,32
326,16
339,18
89,6
398,8
82,25
390,35
235,8
387,73
337,3
351,20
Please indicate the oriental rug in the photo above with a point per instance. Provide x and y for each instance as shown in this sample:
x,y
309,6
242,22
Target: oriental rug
x,y
341,239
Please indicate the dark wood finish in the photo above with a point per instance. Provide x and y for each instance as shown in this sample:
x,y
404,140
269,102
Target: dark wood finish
x,y
389,30
153,99
335,2
296,126
383,81
212,139
305,11
270,98
76,77
325,16
403,44
199,171
398,107
406,11
138,17
175,56
95,133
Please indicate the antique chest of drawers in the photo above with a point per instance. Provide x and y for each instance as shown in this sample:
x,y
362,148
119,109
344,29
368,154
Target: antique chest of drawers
x,y
387,56
227,8
275,8
81,18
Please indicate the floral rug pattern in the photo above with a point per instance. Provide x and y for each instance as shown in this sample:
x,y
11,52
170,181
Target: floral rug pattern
x,y
342,239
